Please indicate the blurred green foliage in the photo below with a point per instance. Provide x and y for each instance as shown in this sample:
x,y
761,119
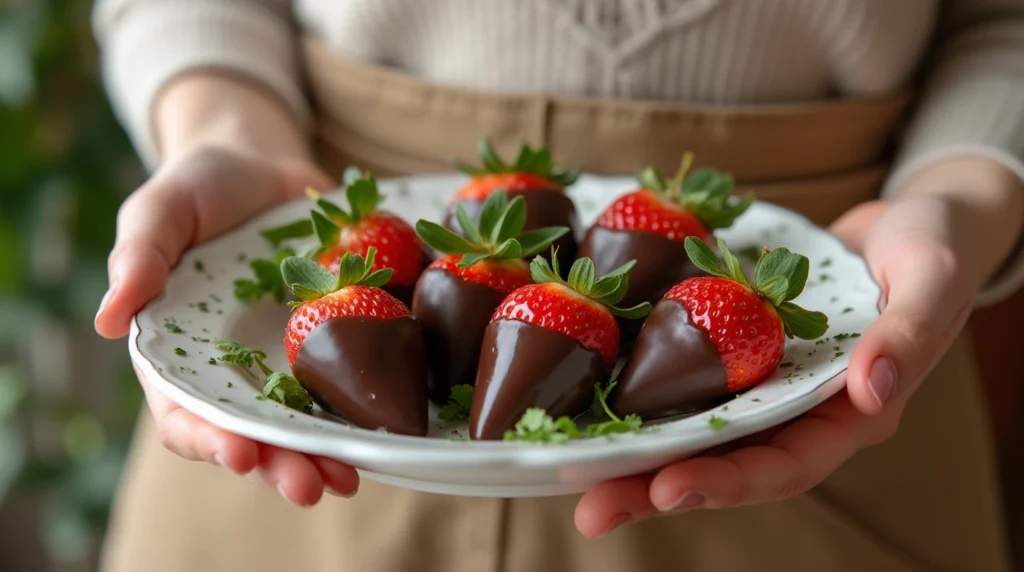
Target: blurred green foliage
x,y
67,399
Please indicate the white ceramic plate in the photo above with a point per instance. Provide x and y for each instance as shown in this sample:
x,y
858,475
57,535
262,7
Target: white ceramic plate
x,y
199,299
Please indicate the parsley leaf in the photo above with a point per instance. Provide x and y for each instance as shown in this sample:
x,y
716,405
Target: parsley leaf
x,y
459,403
171,327
716,423
268,280
278,386
180,352
536,426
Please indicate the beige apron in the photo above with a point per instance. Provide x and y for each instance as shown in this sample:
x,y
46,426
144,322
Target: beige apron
x,y
925,500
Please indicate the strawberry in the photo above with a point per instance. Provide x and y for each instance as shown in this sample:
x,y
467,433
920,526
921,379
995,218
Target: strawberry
x,y
365,226
650,224
547,344
532,176
715,335
457,294
334,340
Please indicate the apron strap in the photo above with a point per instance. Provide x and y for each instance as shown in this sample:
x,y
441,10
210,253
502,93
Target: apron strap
x,y
819,158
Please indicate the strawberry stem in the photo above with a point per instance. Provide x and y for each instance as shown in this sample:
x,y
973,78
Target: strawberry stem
x,y
607,290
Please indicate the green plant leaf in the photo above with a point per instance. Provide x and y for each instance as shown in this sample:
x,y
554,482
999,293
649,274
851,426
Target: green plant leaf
x,y
538,240
334,212
351,270
650,179
732,264
492,162
634,312
582,276
541,270
621,270
509,249
278,234
492,211
468,260
781,262
703,257
510,223
268,281
801,323
774,289
305,276
287,390
469,228
363,197
443,240
460,401
326,231
351,175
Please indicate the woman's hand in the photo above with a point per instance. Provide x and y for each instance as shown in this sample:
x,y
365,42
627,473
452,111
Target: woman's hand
x,y
930,251
207,185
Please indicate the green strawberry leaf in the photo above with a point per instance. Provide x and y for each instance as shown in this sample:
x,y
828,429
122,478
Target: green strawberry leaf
x,y
633,313
278,234
363,197
326,231
491,212
508,249
541,270
351,269
650,179
510,223
306,278
781,262
351,175
287,390
466,168
774,289
538,240
582,276
469,228
528,160
443,240
334,213
492,162
732,264
472,258
703,257
801,323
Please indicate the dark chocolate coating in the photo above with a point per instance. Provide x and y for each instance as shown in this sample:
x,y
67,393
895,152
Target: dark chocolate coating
x,y
523,366
674,368
453,314
544,208
661,263
370,371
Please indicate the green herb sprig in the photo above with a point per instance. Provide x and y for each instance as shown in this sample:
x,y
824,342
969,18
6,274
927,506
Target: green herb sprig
x,y
277,386
536,426
460,400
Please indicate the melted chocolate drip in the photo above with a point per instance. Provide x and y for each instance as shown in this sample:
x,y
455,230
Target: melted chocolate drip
x,y
661,263
544,207
674,368
369,371
523,366
454,314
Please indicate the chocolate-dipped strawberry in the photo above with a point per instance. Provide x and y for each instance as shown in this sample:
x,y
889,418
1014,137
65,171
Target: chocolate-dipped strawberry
x,y
458,293
715,335
649,225
357,230
532,176
548,344
354,347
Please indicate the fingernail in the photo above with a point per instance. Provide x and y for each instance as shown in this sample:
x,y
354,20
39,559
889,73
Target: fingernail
x,y
617,521
106,298
217,460
689,500
882,380
331,491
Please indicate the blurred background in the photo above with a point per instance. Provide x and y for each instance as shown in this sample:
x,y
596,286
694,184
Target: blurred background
x,y
68,399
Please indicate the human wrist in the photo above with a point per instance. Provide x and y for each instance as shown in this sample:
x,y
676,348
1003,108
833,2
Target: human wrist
x,y
219,110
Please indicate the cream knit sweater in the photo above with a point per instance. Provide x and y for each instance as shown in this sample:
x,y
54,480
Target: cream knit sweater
x,y
710,51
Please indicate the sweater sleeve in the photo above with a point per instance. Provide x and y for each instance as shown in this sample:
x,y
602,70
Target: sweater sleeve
x,y
147,43
973,104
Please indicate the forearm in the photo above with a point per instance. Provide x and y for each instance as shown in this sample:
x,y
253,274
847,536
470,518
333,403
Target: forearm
x,y
218,109
983,204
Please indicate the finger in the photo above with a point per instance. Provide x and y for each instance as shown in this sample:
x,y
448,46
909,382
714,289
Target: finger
x,y
291,474
613,504
852,228
190,437
339,479
925,307
797,459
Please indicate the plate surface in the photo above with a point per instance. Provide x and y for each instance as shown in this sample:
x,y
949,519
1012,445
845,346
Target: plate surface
x,y
199,300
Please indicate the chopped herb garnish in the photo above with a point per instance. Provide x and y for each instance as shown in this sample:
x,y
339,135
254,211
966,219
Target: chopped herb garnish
x,y
200,340
839,354
199,266
172,327
278,386
215,298
847,310
223,400
241,257
203,306
725,408
536,426
717,422
459,402
187,370
826,263
824,278
180,352
841,337
756,400
268,280
260,398
786,364
212,361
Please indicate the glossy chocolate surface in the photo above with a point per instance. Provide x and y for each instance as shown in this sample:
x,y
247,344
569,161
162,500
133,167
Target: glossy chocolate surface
x,y
661,263
370,371
674,368
453,314
523,366
544,207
